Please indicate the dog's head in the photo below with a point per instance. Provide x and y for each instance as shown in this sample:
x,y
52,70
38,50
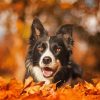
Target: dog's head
x,y
50,53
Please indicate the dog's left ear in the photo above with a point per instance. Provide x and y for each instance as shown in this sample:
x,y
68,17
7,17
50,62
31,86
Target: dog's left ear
x,y
37,29
66,32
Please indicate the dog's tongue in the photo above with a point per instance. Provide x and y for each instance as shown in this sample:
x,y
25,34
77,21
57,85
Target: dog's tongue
x,y
47,72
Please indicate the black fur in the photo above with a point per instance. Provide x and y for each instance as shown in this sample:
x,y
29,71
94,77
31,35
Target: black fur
x,y
62,39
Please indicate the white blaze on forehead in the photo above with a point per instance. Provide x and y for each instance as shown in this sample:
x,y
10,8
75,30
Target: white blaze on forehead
x,y
49,54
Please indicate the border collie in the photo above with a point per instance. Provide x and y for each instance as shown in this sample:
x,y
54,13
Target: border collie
x,y
49,57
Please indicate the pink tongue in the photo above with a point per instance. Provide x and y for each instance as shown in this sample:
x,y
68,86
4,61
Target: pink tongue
x,y
47,73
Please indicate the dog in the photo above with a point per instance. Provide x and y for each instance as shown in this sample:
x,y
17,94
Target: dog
x,y
49,57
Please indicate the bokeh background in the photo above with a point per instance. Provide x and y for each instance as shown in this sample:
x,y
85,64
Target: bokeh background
x,y
15,21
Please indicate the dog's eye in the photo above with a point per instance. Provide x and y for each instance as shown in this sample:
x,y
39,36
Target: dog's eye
x,y
58,49
41,47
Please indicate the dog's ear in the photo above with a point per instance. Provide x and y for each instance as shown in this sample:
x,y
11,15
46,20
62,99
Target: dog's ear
x,y
37,29
66,32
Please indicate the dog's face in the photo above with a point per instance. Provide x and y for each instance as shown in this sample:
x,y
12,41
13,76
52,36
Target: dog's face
x,y
49,53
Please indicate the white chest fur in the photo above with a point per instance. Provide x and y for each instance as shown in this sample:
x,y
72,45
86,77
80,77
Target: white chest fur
x,y
39,76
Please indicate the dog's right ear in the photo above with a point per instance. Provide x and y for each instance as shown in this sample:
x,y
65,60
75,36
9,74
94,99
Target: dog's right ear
x,y
66,32
37,30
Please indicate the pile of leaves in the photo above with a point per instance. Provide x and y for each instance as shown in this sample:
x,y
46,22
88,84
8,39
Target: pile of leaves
x,y
15,90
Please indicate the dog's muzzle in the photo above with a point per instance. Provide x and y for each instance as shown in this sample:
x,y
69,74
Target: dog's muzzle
x,y
49,70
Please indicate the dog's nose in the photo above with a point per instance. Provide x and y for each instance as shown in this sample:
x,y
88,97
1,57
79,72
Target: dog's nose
x,y
47,60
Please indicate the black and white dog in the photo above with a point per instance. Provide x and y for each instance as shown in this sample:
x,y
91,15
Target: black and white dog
x,y
49,57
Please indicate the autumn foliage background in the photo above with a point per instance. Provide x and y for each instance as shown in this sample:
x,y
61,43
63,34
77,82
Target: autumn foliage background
x,y
15,21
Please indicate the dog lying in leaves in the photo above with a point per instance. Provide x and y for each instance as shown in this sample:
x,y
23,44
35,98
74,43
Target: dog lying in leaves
x,y
49,57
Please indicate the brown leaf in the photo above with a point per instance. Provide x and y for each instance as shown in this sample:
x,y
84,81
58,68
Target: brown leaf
x,y
28,81
98,86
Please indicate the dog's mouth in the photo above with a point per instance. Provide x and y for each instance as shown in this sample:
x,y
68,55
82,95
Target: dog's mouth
x,y
48,72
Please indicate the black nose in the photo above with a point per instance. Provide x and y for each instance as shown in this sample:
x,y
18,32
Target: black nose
x,y
47,60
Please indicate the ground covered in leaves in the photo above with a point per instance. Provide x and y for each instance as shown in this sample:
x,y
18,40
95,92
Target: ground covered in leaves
x,y
15,90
